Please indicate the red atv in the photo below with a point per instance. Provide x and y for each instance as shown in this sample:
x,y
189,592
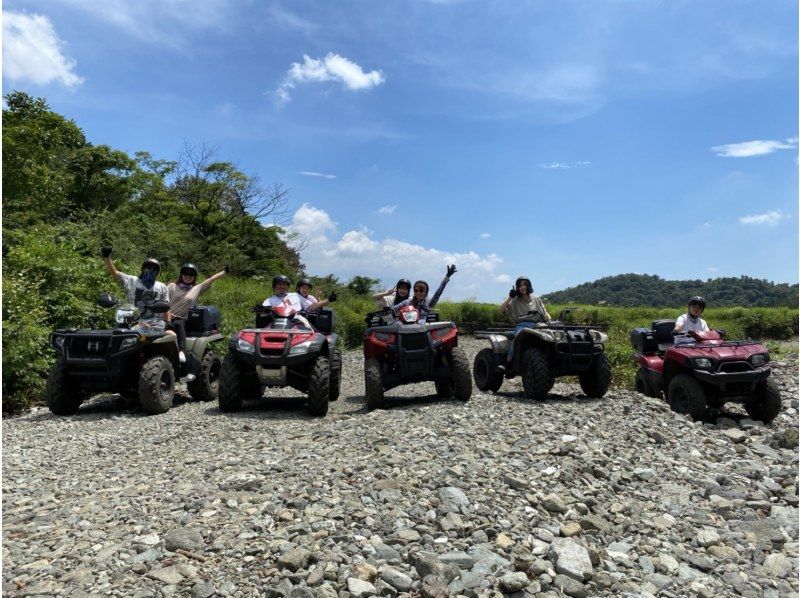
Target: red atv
x,y
283,351
698,370
400,350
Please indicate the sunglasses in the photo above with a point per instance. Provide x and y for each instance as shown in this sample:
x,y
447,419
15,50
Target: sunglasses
x,y
150,267
187,273
420,290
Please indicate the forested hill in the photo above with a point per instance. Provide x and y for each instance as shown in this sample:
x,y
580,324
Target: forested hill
x,y
654,291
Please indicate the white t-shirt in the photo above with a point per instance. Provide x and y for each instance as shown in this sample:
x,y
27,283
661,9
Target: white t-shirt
x,y
289,300
685,321
134,287
306,302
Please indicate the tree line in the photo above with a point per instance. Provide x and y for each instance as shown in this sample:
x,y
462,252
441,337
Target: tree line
x,y
629,290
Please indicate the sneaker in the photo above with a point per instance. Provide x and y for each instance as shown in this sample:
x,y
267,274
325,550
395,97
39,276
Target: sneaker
x,y
181,357
501,368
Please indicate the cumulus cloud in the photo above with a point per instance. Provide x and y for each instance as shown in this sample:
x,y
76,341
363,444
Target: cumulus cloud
x,y
359,252
387,210
748,149
485,235
331,68
32,51
770,218
317,174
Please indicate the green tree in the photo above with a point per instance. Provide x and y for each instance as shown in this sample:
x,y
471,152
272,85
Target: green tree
x,y
362,285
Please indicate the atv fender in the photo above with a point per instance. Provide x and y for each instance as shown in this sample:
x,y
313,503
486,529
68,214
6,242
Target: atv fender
x,y
167,345
199,344
500,343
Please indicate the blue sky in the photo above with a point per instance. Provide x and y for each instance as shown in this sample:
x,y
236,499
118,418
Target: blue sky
x,y
561,140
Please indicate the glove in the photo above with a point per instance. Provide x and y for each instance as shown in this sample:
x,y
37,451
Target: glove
x,y
228,268
105,251
451,270
512,293
332,297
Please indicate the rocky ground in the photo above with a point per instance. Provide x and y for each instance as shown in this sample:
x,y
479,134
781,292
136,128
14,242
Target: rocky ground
x,y
499,495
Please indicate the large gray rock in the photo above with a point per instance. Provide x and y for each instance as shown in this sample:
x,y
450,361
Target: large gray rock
x,y
451,499
570,587
359,588
397,579
513,582
186,538
571,559
295,559
487,559
168,575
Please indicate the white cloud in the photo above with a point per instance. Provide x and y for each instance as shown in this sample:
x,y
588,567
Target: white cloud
x,y
770,218
290,20
317,174
554,165
485,235
359,252
748,149
32,51
713,269
331,68
387,210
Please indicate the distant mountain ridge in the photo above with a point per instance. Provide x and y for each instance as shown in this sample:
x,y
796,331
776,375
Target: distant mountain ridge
x,y
630,290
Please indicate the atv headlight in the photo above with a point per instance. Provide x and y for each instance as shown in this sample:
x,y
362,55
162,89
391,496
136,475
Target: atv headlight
x,y
598,337
704,363
123,315
300,348
245,347
759,359
58,341
128,342
557,334
410,317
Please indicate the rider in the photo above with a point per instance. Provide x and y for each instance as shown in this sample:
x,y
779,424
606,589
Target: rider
x,y
518,304
395,295
691,321
420,299
307,301
136,286
282,296
183,295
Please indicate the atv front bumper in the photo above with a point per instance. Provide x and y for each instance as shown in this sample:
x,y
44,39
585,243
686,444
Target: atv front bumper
x,y
733,383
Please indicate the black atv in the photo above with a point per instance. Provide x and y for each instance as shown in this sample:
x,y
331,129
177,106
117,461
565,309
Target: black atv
x,y
283,351
131,362
543,353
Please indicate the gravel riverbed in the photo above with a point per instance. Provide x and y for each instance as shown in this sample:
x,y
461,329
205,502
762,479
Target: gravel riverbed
x,y
498,495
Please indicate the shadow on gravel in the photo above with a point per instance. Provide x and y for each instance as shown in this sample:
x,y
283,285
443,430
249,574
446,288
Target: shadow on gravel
x,y
107,406
283,408
551,398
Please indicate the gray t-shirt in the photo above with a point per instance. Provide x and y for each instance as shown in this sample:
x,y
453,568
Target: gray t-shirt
x,y
134,288
182,300
518,308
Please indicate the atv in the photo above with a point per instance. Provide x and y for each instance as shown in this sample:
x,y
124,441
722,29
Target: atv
x,y
398,349
698,370
543,353
131,361
283,350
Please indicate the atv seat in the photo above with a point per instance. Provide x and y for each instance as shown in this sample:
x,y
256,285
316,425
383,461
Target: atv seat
x,y
662,330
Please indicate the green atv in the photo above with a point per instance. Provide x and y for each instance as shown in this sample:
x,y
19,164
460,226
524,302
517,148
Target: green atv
x,y
140,366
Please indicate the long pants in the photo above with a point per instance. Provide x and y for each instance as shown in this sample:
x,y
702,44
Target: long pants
x,y
179,326
519,327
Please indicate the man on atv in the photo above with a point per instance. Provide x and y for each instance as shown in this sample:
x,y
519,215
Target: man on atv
x,y
395,295
282,296
307,300
420,299
691,321
519,303
136,286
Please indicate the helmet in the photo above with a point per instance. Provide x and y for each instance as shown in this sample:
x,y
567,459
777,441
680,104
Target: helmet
x,y
526,280
427,288
151,261
403,281
303,281
698,300
189,268
280,278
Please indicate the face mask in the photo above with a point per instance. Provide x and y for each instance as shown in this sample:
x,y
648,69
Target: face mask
x,y
148,277
185,286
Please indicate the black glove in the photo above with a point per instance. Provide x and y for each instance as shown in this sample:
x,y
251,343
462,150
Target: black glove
x,y
105,251
512,293
451,270
332,297
228,268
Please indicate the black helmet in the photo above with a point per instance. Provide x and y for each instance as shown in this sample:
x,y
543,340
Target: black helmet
x,y
189,268
303,281
403,281
698,300
280,278
526,280
151,261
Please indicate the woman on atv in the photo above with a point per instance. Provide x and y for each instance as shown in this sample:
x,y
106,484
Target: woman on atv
x,y
136,286
307,301
282,296
420,299
395,295
691,321
519,303
183,295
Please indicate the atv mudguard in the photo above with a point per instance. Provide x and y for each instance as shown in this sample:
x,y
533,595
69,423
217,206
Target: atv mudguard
x,y
199,344
500,343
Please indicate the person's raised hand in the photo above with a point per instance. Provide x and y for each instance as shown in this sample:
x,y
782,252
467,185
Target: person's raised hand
x,y
451,269
227,268
105,250
332,297
512,293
